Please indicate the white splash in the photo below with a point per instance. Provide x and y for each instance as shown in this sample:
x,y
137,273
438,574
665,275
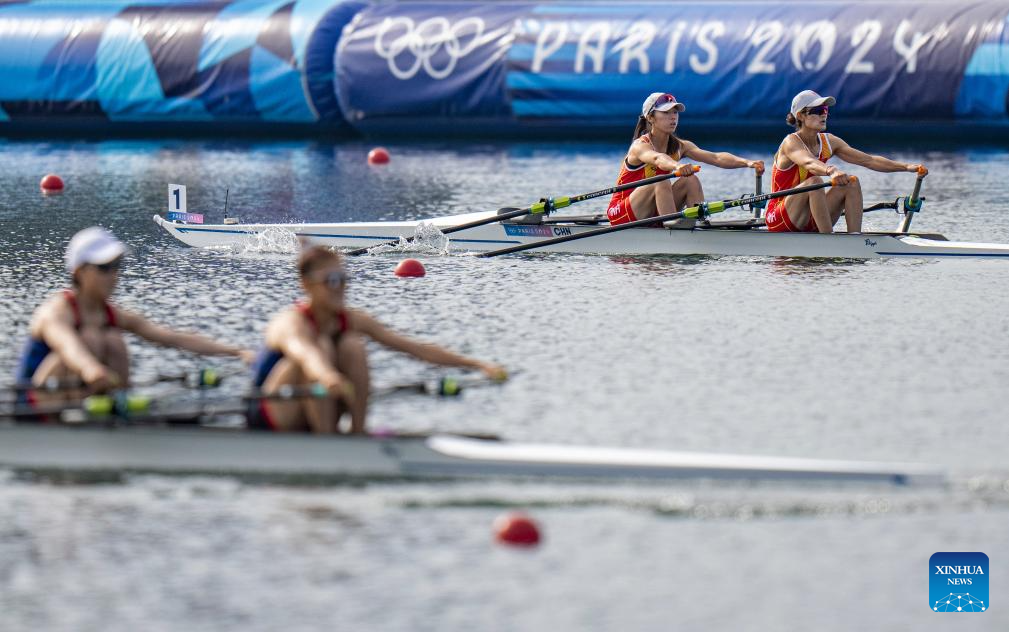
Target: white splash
x,y
277,240
426,238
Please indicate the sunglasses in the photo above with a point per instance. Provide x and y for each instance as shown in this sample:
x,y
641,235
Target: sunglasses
x,y
334,280
107,268
664,99
821,110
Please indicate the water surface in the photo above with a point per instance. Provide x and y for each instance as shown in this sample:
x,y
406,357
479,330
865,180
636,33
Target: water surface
x,y
887,360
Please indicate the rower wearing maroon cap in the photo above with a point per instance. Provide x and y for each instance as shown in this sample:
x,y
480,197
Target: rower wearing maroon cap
x,y
656,150
802,159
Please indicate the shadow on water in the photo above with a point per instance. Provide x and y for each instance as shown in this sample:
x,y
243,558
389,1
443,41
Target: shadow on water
x,y
825,268
662,263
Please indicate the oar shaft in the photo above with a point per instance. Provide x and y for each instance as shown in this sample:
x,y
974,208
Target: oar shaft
x,y
204,378
445,387
879,206
553,204
693,211
542,207
624,187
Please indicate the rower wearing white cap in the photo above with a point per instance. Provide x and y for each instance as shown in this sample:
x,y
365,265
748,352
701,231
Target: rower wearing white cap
x,y
656,150
78,333
802,159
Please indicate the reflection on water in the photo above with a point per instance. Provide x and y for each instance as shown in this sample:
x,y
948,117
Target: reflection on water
x,y
660,264
815,268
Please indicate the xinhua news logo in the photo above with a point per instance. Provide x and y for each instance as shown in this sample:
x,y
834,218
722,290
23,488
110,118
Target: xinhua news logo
x,y
958,582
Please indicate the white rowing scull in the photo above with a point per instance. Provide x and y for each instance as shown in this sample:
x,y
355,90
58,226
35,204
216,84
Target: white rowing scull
x,y
91,448
744,238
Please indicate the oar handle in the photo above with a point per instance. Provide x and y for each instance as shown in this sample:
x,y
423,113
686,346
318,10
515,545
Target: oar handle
x,y
912,203
758,188
922,172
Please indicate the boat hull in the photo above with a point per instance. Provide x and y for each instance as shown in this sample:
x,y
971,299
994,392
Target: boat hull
x,y
97,449
634,241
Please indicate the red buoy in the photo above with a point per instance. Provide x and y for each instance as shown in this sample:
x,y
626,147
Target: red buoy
x,y
410,268
51,183
516,528
378,156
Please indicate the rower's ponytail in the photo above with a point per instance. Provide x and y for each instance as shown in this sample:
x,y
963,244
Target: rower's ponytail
x,y
791,120
640,128
673,146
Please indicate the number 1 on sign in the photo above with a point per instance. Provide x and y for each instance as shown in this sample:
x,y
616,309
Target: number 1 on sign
x,y
177,198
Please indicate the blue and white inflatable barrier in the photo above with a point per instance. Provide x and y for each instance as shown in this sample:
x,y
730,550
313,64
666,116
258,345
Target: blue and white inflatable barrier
x,y
171,63
547,67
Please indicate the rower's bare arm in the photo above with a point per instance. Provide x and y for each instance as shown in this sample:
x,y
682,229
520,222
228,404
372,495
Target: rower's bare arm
x,y
794,150
846,152
159,334
292,336
642,152
425,351
721,159
56,327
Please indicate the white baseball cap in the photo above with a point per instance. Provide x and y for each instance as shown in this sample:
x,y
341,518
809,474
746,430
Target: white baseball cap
x,y
809,99
93,245
661,101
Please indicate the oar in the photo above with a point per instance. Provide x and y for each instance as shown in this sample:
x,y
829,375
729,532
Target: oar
x,y
137,408
120,404
545,207
443,387
912,204
880,206
204,378
695,212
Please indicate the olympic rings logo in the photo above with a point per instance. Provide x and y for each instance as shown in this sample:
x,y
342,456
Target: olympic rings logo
x,y
400,37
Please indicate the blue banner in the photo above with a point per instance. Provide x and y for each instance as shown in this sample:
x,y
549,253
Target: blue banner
x,y
459,66
171,62
427,59
747,59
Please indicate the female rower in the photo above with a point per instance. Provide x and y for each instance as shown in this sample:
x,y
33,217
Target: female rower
x,y
321,342
77,333
656,150
802,159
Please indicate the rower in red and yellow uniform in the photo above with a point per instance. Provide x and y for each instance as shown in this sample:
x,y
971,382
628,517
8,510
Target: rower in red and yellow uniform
x,y
656,150
321,342
78,333
802,160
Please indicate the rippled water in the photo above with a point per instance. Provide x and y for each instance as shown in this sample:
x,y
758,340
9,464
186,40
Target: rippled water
x,y
888,360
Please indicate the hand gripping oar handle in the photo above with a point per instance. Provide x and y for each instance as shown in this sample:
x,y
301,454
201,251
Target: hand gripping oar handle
x,y
912,203
692,212
546,206
917,186
758,189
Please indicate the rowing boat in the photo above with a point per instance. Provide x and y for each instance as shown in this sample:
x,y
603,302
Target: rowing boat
x,y
98,448
744,238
